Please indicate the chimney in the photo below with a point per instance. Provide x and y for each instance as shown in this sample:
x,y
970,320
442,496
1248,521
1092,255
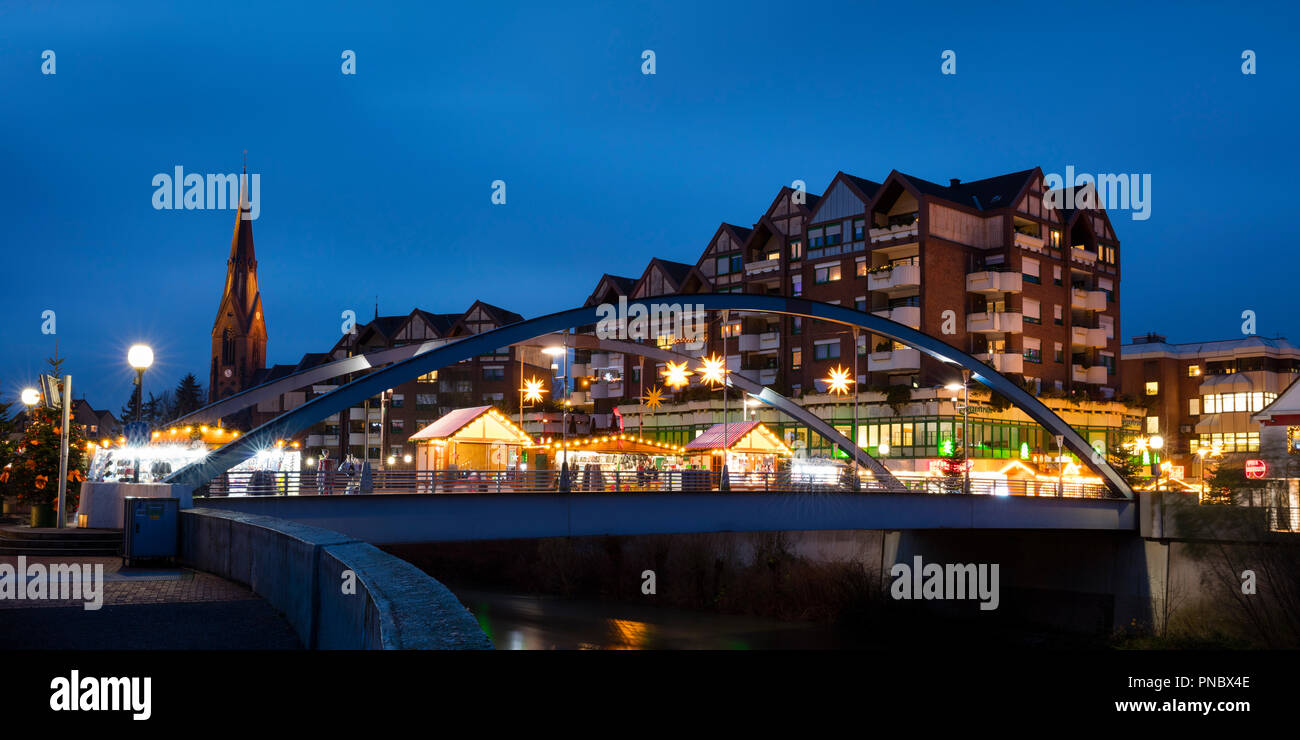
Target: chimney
x,y
954,182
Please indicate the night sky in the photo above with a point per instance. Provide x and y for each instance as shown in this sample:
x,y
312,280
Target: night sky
x,y
380,183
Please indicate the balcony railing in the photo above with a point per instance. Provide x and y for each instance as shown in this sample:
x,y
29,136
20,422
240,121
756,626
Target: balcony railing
x,y
899,277
994,282
1028,240
754,268
896,360
1096,375
906,315
1088,300
1003,362
995,322
895,233
1080,253
1084,337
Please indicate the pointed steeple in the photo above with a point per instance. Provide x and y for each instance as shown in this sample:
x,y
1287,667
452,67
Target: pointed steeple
x,y
239,332
241,268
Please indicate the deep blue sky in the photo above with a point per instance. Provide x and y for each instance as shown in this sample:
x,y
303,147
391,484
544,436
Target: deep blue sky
x,y
379,183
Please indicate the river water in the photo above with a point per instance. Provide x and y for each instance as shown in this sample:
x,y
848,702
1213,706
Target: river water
x,y
525,622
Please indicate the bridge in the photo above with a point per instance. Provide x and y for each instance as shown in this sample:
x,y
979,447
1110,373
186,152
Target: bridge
x,y
430,358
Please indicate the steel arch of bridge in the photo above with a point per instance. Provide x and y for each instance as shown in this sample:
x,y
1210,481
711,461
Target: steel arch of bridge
x,y
302,417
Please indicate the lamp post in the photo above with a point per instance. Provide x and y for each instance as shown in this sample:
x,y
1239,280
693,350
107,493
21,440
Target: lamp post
x,y
964,387
564,414
1156,443
140,357
30,397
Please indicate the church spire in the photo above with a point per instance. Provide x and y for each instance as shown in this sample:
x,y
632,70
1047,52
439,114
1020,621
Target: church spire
x,y
239,332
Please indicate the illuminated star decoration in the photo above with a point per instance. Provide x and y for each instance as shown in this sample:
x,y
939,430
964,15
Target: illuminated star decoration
x,y
676,375
839,381
653,397
532,390
714,370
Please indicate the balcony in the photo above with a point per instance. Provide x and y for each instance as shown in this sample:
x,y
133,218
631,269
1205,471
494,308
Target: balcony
x,y
1088,300
578,398
1095,375
898,360
1003,362
1080,253
1084,337
894,234
767,376
1029,241
995,322
579,370
897,278
994,282
755,268
906,315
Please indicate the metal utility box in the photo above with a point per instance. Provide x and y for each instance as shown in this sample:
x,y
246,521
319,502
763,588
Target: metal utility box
x,y
150,528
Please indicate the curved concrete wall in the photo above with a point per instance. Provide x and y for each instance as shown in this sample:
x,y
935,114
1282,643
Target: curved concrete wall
x,y
304,572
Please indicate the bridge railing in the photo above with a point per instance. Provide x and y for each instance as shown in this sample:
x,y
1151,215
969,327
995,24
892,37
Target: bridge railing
x,y
313,483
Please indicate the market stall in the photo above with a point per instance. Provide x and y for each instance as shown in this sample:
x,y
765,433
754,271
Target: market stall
x,y
748,446
476,438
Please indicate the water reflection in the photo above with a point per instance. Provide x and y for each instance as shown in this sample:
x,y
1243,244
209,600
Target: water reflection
x,y
521,622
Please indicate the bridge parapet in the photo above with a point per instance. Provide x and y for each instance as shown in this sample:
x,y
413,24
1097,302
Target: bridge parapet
x,y
336,591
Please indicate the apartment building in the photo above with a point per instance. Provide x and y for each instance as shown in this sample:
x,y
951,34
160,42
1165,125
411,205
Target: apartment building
x,y
989,266
1203,394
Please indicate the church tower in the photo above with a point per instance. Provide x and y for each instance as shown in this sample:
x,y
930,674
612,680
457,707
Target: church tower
x,y
239,333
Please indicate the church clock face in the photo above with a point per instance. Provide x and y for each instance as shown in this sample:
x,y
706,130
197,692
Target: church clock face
x,y
228,372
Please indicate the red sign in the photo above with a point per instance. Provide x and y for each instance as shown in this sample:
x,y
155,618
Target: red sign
x,y
1256,469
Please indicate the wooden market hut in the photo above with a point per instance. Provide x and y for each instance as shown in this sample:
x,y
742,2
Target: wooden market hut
x,y
750,447
476,438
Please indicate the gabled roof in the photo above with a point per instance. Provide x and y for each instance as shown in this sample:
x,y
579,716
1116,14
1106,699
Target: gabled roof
x,y
1285,409
865,190
991,193
621,286
498,314
734,435
740,233
440,322
675,270
491,426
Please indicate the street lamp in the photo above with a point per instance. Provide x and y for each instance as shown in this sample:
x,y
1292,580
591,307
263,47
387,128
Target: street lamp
x,y
564,414
1157,443
140,357
964,387
30,397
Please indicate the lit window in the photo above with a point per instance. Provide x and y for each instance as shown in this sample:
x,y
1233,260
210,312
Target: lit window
x,y
1153,388
1153,425
1193,371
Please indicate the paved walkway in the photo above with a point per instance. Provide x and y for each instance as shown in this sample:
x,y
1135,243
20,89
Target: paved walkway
x,y
145,608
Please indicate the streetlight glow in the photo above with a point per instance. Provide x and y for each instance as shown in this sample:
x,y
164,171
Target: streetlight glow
x,y
31,397
140,356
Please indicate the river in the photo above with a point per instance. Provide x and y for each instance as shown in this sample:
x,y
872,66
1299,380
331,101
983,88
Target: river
x,y
525,622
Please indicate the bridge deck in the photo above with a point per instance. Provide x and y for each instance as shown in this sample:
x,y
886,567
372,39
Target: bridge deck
x,y
396,518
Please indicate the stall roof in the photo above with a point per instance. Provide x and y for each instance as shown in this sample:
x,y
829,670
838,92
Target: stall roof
x,y
743,436
474,424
